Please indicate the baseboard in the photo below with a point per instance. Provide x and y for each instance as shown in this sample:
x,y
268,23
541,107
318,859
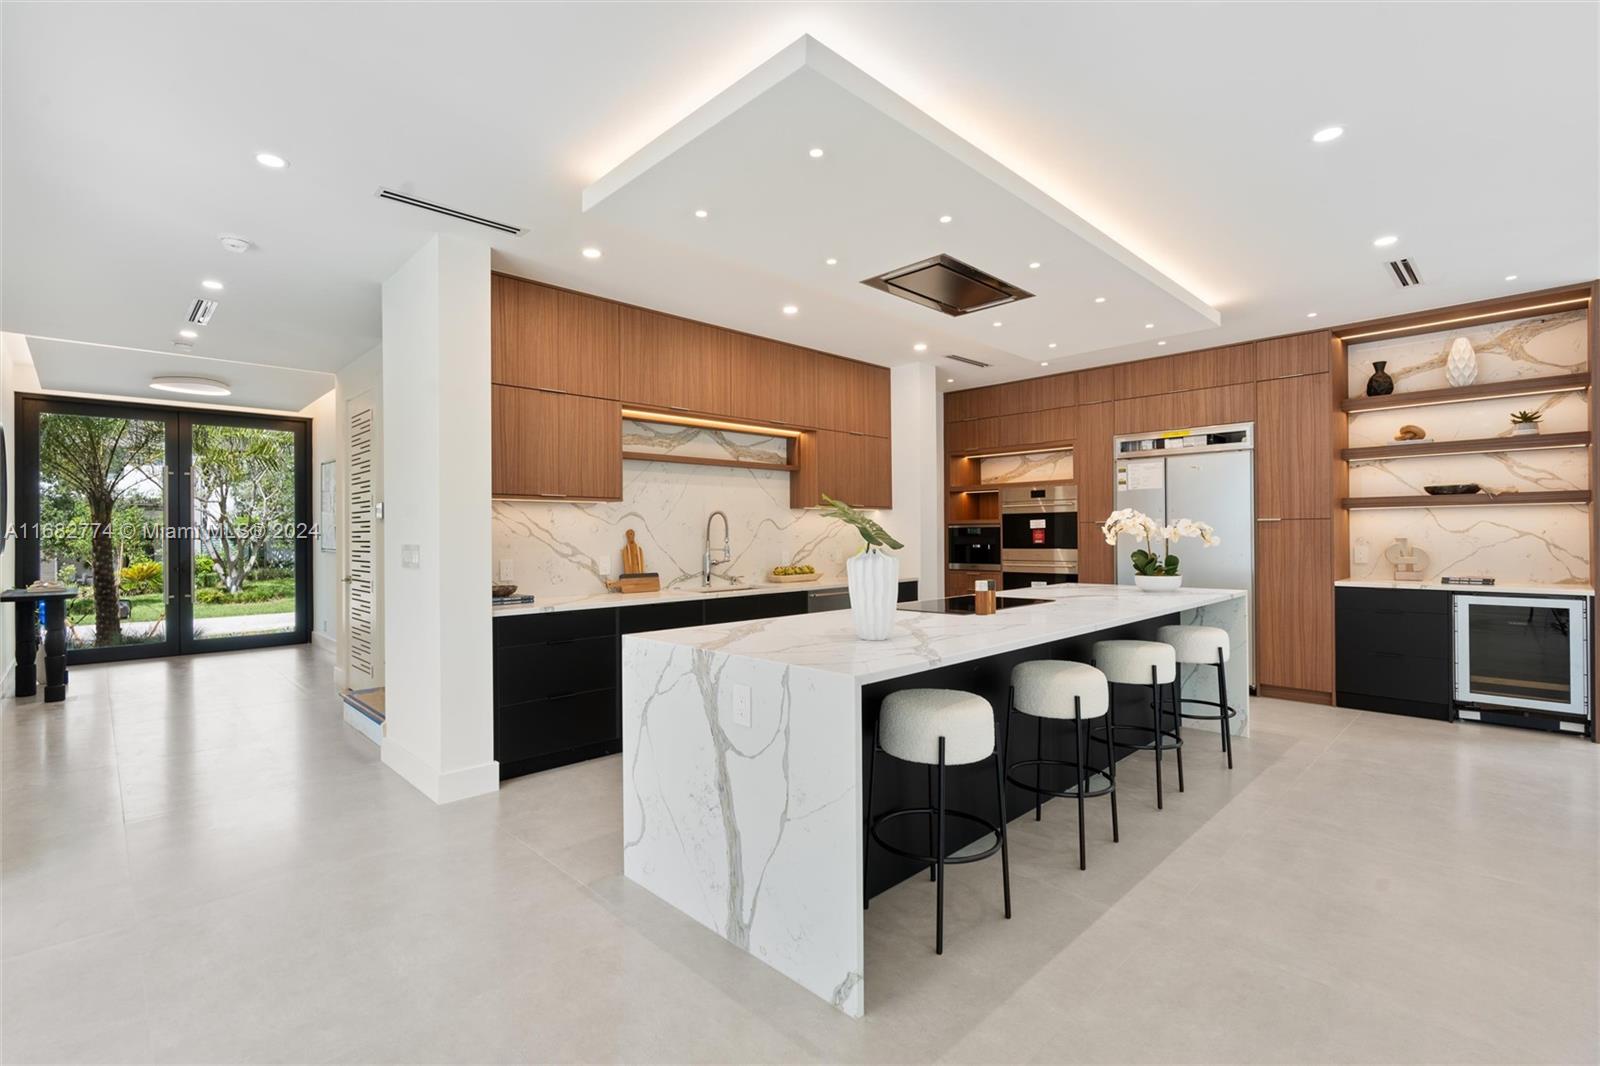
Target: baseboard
x,y
1298,695
363,725
325,642
8,682
446,787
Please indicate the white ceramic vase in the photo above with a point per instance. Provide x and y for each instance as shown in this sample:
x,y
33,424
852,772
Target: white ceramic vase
x,y
874,578
1161,583
1461,365
1524,429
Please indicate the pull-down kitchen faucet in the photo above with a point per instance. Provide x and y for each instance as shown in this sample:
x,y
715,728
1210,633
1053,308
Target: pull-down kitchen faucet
x,y
706,562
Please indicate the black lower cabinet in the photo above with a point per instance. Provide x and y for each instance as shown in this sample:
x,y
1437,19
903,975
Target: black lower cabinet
x,y
1394,648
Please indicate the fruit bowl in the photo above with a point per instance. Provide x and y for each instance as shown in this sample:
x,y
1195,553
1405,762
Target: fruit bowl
x,y
787,575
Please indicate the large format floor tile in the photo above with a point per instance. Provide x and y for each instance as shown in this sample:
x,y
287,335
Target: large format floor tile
x,y
202,863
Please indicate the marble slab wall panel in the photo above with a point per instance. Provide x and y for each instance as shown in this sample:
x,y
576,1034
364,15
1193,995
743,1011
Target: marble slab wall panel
x,y
1541,544
1200,682
1539,346
1036,466
702,443
1560,412
755,831
567,549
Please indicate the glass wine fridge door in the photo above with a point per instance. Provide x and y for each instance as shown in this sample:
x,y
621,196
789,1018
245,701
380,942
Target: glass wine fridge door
x,y
1523,651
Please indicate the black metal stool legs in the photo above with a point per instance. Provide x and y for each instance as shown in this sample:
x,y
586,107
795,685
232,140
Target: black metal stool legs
x,y
938,858
932,873
1005,850
1177,726
1226,712
1155,709
1111,765
1083,780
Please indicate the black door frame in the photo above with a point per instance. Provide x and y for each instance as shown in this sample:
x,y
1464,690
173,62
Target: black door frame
x,y
179,555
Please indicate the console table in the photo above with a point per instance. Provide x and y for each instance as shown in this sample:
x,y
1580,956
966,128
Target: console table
x,y
55,640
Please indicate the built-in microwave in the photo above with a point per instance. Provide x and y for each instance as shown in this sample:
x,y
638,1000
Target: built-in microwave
x,y
1526,655
1039,527
974,548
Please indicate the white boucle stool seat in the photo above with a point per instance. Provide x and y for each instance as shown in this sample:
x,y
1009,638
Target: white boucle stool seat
x,y
1128,662
1196,644
1047,689
912,720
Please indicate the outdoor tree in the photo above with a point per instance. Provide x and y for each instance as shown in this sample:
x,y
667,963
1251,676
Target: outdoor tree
x,y
243,491
104,460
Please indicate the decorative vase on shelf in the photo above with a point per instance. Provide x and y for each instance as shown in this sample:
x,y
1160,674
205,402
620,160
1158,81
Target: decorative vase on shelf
x,y
1151,583
874,578
1525,429
1461,365
1379,384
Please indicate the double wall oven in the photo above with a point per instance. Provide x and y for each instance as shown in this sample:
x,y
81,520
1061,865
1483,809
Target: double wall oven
x,y
1038,535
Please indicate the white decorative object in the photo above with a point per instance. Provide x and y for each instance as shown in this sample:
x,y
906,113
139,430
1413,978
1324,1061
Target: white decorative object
x,y
1410,563
1153,583
874,590
1525,429
1155,572
1461,367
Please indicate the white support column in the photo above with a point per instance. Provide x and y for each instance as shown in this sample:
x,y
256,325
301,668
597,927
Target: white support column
x,y
918,482
437,545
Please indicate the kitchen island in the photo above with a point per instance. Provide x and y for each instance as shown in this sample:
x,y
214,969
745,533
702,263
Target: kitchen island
x,y
744,746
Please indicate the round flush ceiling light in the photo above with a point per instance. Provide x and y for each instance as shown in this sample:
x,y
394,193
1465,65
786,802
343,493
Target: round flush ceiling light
x,y
270,161
1149,325
1385,241
790,309
212,284
997,325
591,253
1161,344
1099,299
831,261
946,219
919,347
1311,314
1329,133
1033,266
949,381
188,334
1052,344
815,153
237,245
191,386
1044,364
1511,277
701,213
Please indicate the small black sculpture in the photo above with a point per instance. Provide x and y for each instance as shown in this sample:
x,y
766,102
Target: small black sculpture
x,y
1379,384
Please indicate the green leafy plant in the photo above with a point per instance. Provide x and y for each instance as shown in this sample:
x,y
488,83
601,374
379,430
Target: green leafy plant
x,y
141,577
1526,418
875,535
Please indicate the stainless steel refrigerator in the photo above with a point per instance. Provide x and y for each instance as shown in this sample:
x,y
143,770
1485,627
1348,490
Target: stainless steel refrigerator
x,y
1207,474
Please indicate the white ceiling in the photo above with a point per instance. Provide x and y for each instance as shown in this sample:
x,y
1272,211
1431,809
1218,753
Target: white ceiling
x,y
1182,133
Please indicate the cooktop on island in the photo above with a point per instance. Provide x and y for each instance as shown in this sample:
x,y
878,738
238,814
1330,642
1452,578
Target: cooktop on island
x,y
967,604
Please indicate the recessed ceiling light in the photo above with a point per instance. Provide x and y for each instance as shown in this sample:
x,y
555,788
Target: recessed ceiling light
x,y
1161,344
945,218
1330,133
701,212
191,386
1384,241
831,261
1033,266
591,253
1511,277
949,381
237,245
1099,299
272,162
815,153
1311,314
919,347
1149,325
212,284
1044,364
1052,344
999,324
188,333
790,309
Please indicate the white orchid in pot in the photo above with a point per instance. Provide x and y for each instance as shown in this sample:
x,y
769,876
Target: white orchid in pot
x,y
873,574
1155,571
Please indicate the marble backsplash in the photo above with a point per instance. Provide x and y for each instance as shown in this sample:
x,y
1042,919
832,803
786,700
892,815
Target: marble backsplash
x,y
1535,543
568,549
1034,466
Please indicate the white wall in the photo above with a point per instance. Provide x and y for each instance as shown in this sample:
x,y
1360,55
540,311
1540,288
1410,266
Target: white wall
x,y
917,449
324,565
439,732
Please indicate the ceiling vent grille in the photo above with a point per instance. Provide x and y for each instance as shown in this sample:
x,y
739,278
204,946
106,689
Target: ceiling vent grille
x,y
201,311
946,284
970,362
440,209
1404,273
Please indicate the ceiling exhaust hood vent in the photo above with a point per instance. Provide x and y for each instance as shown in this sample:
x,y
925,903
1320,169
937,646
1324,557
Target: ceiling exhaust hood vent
x,y
1403,272
946,284
201,311
980,364
440,209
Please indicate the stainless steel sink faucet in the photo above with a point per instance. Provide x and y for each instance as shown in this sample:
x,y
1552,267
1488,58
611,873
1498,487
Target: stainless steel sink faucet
x,y
706,561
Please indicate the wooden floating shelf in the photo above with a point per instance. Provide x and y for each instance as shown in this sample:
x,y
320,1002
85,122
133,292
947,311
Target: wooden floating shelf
x,y
702,460
996,486
990,523
1429,397
1530,442
1474,499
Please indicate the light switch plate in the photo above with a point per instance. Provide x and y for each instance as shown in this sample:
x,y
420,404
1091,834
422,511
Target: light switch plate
x,y
506,570
739,704
411,556
1361,552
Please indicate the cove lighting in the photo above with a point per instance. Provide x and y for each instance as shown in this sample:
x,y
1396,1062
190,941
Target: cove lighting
x,y
1419,327
191,386
672,418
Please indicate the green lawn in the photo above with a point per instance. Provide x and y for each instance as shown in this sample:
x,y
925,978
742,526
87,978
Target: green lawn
x,y
150,608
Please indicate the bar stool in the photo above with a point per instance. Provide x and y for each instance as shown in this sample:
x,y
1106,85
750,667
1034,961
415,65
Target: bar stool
x,y
938,727
1204,646
1145,662
1047,689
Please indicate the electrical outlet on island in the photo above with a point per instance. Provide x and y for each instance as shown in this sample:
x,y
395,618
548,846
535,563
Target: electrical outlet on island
x,y
739,705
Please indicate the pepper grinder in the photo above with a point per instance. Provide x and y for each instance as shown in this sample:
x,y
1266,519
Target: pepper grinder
x,y
983,597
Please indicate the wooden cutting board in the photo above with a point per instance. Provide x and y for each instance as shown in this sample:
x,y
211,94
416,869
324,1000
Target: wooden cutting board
x,y
632,556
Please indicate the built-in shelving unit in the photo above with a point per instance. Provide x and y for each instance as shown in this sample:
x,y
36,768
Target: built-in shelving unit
x,y
1531,442
996,486
1489,391
705,460
1474,499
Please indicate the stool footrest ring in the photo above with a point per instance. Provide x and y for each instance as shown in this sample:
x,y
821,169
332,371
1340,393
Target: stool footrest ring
x,y
1091,772
949,860
1233,712
1148,745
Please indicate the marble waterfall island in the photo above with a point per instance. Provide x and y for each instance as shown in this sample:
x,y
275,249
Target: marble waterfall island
x,y
743,748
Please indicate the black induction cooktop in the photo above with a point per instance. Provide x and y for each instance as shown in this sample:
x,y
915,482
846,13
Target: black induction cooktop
x,y
967,604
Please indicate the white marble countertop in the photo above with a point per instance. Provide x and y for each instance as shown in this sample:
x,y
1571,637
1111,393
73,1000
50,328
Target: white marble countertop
x,y
1520,588
684,594
827,642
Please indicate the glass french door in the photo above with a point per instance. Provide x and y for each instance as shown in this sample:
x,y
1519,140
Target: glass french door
x,y
183,530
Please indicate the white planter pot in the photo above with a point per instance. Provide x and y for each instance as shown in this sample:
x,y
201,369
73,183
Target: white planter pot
x,y
1158,584
874,578
1525,429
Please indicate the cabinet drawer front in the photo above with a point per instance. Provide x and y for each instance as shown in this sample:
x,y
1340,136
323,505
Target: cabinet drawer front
x,y
543,727
745,608
1396,676
537,671
559,625
651,617
1388,632
1423,601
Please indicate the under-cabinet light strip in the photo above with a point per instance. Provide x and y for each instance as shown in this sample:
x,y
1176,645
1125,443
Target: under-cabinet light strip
x,y
1576,301
706,423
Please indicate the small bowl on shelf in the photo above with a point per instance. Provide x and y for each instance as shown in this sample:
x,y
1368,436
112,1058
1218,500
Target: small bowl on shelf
x,y
1451,490
502,591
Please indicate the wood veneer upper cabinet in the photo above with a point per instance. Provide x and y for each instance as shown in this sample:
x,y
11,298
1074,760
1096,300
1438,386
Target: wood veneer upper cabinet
x,y
554,445
971,403
545,338
1181,410
1294,447
852,397
675,364
1097,384
853,467
1056,426
1091,464
772,381
973,434
1304,353
1294,604
1207,368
